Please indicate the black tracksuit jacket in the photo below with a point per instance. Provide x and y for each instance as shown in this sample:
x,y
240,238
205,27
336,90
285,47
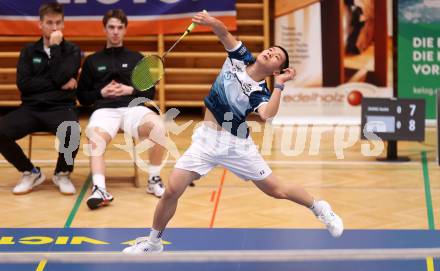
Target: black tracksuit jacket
x,y
40,78
100,69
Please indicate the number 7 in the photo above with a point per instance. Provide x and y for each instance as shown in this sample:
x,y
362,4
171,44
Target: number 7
x,y
413,109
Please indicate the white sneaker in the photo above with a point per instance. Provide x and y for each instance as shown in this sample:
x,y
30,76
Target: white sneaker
x,y
62,180
143,245
155,186
99,198
28,181
331,220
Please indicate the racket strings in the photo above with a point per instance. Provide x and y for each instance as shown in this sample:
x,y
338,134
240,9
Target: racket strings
x,y
147,72
150,69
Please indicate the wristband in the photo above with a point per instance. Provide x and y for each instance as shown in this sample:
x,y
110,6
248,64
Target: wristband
x,y
279,86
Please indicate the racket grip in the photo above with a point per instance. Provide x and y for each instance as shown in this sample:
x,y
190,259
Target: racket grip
x,y
191,27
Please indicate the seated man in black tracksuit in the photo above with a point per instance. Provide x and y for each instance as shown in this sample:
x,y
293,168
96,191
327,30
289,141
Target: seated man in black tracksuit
x,y
105,83
46,77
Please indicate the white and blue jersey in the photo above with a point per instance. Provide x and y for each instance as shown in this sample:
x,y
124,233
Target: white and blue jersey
x,y
235,94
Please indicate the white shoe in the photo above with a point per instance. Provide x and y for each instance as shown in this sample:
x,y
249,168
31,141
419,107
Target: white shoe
x,y
155,186
143,245
331,220
28,181
99,198
62,180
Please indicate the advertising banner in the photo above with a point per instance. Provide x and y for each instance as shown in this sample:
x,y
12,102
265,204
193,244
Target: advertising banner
x,y
84,17
299,32
326,106
419,51
298,29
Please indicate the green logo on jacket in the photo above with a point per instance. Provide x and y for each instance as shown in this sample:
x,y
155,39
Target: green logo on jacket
x,y
102,68
36,60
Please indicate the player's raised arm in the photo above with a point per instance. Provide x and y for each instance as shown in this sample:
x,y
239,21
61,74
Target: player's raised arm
x,y
218,27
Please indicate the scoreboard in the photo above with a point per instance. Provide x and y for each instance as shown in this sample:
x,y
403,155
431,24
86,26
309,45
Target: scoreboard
x,y
393,119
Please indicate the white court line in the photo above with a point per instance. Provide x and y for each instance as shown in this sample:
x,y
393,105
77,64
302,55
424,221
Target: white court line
x,y
227,256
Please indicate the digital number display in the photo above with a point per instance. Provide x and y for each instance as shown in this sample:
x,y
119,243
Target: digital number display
x,y
393,119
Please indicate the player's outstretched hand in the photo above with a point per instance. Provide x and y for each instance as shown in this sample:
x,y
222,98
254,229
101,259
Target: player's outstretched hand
x,y
203,18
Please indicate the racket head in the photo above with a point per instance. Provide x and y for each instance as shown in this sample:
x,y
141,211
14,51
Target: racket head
x,y
147,72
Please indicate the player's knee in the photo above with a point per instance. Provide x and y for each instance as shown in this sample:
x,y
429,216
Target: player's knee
x,y
153,127
174,189
95,144
158,124
97,139
171,193
158,133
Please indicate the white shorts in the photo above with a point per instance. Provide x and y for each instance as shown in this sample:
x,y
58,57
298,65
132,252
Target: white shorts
x,y
210,148
127,119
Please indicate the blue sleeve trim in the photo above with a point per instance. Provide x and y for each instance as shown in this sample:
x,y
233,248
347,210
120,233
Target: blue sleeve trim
x,y
242,54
